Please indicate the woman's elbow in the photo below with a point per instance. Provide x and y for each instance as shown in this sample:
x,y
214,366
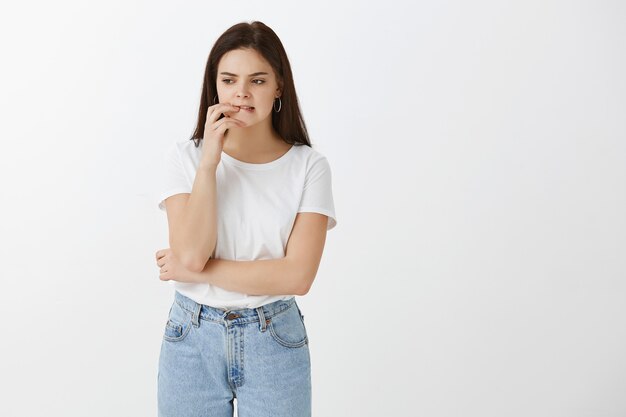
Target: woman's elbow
x,y
195,265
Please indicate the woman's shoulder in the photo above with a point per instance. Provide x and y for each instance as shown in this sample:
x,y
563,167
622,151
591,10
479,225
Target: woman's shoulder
x,y
309,153
313,161
188,146
186,149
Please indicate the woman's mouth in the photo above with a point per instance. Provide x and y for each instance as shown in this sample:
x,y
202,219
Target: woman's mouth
x,y
246,108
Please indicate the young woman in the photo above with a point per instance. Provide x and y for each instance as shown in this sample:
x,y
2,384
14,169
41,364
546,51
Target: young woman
x,y
248,205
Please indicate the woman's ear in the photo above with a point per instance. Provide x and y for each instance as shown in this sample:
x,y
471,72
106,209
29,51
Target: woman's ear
x,y
279,89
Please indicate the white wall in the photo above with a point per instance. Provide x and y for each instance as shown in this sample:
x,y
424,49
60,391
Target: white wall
x,y
479,164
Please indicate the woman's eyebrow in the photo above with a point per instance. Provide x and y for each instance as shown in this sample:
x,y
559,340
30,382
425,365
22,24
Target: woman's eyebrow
x,y
251,75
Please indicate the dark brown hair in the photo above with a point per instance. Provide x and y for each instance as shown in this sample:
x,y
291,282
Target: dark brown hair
x,y
256,35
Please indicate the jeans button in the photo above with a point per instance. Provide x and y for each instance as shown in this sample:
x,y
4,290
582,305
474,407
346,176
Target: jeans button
x,y
232,316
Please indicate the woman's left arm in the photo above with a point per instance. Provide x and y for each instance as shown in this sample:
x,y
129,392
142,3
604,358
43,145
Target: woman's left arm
x,y
266,276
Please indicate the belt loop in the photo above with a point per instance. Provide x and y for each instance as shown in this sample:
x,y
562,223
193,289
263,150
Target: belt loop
x,y
262,322
196,314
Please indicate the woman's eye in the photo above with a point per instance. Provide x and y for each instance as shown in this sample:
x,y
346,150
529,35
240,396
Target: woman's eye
x,y
227,81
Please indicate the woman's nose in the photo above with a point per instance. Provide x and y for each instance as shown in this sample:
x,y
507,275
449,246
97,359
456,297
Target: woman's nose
x,y
242,92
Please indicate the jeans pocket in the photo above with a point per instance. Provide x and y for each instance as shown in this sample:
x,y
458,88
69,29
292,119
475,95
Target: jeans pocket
x,y
287,328
178,324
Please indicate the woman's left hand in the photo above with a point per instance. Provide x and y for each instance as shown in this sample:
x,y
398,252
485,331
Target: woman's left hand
x,y
173,269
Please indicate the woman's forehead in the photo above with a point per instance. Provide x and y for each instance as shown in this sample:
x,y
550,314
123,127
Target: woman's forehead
x,y
244,62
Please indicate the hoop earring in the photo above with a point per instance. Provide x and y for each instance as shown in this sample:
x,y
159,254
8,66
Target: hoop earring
x,y
214,99
280,105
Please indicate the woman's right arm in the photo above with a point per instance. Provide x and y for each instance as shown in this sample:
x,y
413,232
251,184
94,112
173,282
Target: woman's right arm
x,y
192,218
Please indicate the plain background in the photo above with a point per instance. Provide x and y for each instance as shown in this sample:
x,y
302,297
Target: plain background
x,y
478,152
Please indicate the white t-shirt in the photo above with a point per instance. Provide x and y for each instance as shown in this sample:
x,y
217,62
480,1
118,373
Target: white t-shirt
x,y
256,208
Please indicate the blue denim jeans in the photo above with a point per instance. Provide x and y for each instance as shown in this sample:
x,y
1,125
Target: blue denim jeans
x,y
209,356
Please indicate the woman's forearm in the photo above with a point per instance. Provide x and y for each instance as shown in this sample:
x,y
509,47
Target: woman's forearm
x,y
260,277
196,237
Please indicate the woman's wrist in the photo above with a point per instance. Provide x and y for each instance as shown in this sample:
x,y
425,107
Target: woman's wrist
x,y
209,168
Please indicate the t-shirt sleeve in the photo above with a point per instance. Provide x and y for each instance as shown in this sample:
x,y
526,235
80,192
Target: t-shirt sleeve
x,y
173,179
317,195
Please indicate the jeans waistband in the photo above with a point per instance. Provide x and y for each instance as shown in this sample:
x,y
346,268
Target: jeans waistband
x,y
246,315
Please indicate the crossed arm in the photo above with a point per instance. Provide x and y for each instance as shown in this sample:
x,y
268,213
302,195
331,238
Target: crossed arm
x,y
292,274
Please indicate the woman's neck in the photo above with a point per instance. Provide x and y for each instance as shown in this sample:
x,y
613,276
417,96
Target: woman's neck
x,y
254,144
258,138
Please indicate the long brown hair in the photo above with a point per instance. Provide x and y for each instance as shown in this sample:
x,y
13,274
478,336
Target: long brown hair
x,y
256,35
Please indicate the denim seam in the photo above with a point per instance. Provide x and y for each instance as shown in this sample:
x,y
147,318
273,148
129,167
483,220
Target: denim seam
x,y
284,342
173,325
182,336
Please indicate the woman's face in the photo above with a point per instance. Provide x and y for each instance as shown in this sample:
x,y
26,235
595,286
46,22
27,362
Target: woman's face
x,y
245,78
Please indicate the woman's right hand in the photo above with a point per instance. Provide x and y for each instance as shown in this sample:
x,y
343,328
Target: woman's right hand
x,y
214,132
